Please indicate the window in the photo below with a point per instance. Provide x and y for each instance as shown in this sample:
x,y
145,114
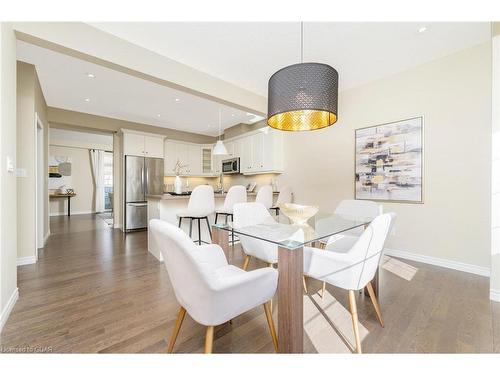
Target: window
x,y
108,181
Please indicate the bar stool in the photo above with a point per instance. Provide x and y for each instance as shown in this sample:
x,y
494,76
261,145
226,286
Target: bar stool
x,y
285,196
235,194
265,196
201,205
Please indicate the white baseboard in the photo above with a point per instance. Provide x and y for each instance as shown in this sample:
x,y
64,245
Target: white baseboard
x,y
26,260
8,308
464,267
495,295
46,237
72,213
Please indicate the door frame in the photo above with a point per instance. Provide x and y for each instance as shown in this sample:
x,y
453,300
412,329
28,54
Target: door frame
x,y
40,217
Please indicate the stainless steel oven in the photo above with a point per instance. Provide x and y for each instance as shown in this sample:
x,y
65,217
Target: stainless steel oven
x,y
231,166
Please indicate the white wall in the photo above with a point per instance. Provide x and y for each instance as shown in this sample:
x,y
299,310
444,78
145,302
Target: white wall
x,y
495,171
8,213
454,96
81,181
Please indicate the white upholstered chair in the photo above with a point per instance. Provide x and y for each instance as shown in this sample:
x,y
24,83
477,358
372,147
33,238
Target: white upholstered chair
x,y
355,269
201,205
351,209
253,213
210,290
285,196
265,196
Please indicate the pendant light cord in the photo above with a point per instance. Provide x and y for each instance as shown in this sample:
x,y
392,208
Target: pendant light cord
x,y
301,42
220,112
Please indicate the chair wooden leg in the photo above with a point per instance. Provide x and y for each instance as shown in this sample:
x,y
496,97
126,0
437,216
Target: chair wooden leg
x,y
177,328
270,322
323,290
245,262
304,283
354,313
373,297
209,340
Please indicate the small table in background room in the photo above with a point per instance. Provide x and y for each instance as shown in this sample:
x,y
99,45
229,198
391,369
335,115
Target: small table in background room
x,y
69,196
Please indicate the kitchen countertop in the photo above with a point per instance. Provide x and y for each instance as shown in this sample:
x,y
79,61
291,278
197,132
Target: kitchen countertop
x,y
167,196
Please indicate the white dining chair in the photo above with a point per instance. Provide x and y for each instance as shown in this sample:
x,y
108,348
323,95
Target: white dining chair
x,y
210,290
355,269
265,196
254,213
352,209
201,205
285,196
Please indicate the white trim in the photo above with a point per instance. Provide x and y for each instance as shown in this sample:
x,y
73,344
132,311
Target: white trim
x,y
26,260
72,213
454,265
8,308
46,237
495,295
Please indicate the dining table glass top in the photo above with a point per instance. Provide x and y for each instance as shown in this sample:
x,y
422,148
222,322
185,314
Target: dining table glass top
x,y
279,231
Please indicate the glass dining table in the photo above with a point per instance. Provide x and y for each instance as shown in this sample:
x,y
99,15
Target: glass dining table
x,y
290,240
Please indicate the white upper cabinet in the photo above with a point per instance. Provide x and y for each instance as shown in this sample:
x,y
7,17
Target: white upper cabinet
x,y
194,160
261,152
153,147
133,144
137,144
170,157
197,158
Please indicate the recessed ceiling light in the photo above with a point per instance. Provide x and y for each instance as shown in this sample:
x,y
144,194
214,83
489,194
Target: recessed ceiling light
x,y
87,99
232,114
177,100
422,29
158,115
90,75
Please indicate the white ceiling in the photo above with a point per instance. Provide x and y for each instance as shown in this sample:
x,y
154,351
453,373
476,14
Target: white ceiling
x,y
65,84
81,137
246,54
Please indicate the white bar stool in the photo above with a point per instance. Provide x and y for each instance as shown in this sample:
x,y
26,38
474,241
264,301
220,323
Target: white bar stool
x,y
201,205
285,196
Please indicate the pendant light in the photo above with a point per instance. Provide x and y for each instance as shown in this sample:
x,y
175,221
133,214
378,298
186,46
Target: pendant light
x,y
303,96
219,148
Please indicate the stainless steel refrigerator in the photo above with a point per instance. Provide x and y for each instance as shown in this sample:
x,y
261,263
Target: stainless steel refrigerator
x,y
143,176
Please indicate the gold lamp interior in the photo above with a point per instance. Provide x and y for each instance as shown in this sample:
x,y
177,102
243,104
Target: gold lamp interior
x,y
302,120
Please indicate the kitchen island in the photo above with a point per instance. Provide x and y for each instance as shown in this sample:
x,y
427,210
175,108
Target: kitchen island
x,y
166,207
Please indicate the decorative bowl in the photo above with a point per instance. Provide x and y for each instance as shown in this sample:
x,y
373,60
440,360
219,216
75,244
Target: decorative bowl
x,y
297,213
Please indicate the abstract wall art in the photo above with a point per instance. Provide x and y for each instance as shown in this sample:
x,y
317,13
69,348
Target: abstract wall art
x,y
389,161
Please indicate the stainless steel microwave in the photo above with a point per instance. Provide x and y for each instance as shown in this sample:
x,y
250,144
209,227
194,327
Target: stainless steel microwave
x,y
231,166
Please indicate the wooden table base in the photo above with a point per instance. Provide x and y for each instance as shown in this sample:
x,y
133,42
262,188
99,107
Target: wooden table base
x,y
221,238
290,301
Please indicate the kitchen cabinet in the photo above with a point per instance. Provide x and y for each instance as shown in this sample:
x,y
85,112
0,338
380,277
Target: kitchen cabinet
x,y
196,157
261,152
194,160
137,144
206,160
153,147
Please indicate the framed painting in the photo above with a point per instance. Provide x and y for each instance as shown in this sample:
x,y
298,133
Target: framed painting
x,y
389,161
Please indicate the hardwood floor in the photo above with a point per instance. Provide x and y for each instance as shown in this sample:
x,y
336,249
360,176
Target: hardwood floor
x,y
95,289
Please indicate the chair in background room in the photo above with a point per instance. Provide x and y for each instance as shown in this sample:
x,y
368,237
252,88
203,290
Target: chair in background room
x,y
210,290
201,205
